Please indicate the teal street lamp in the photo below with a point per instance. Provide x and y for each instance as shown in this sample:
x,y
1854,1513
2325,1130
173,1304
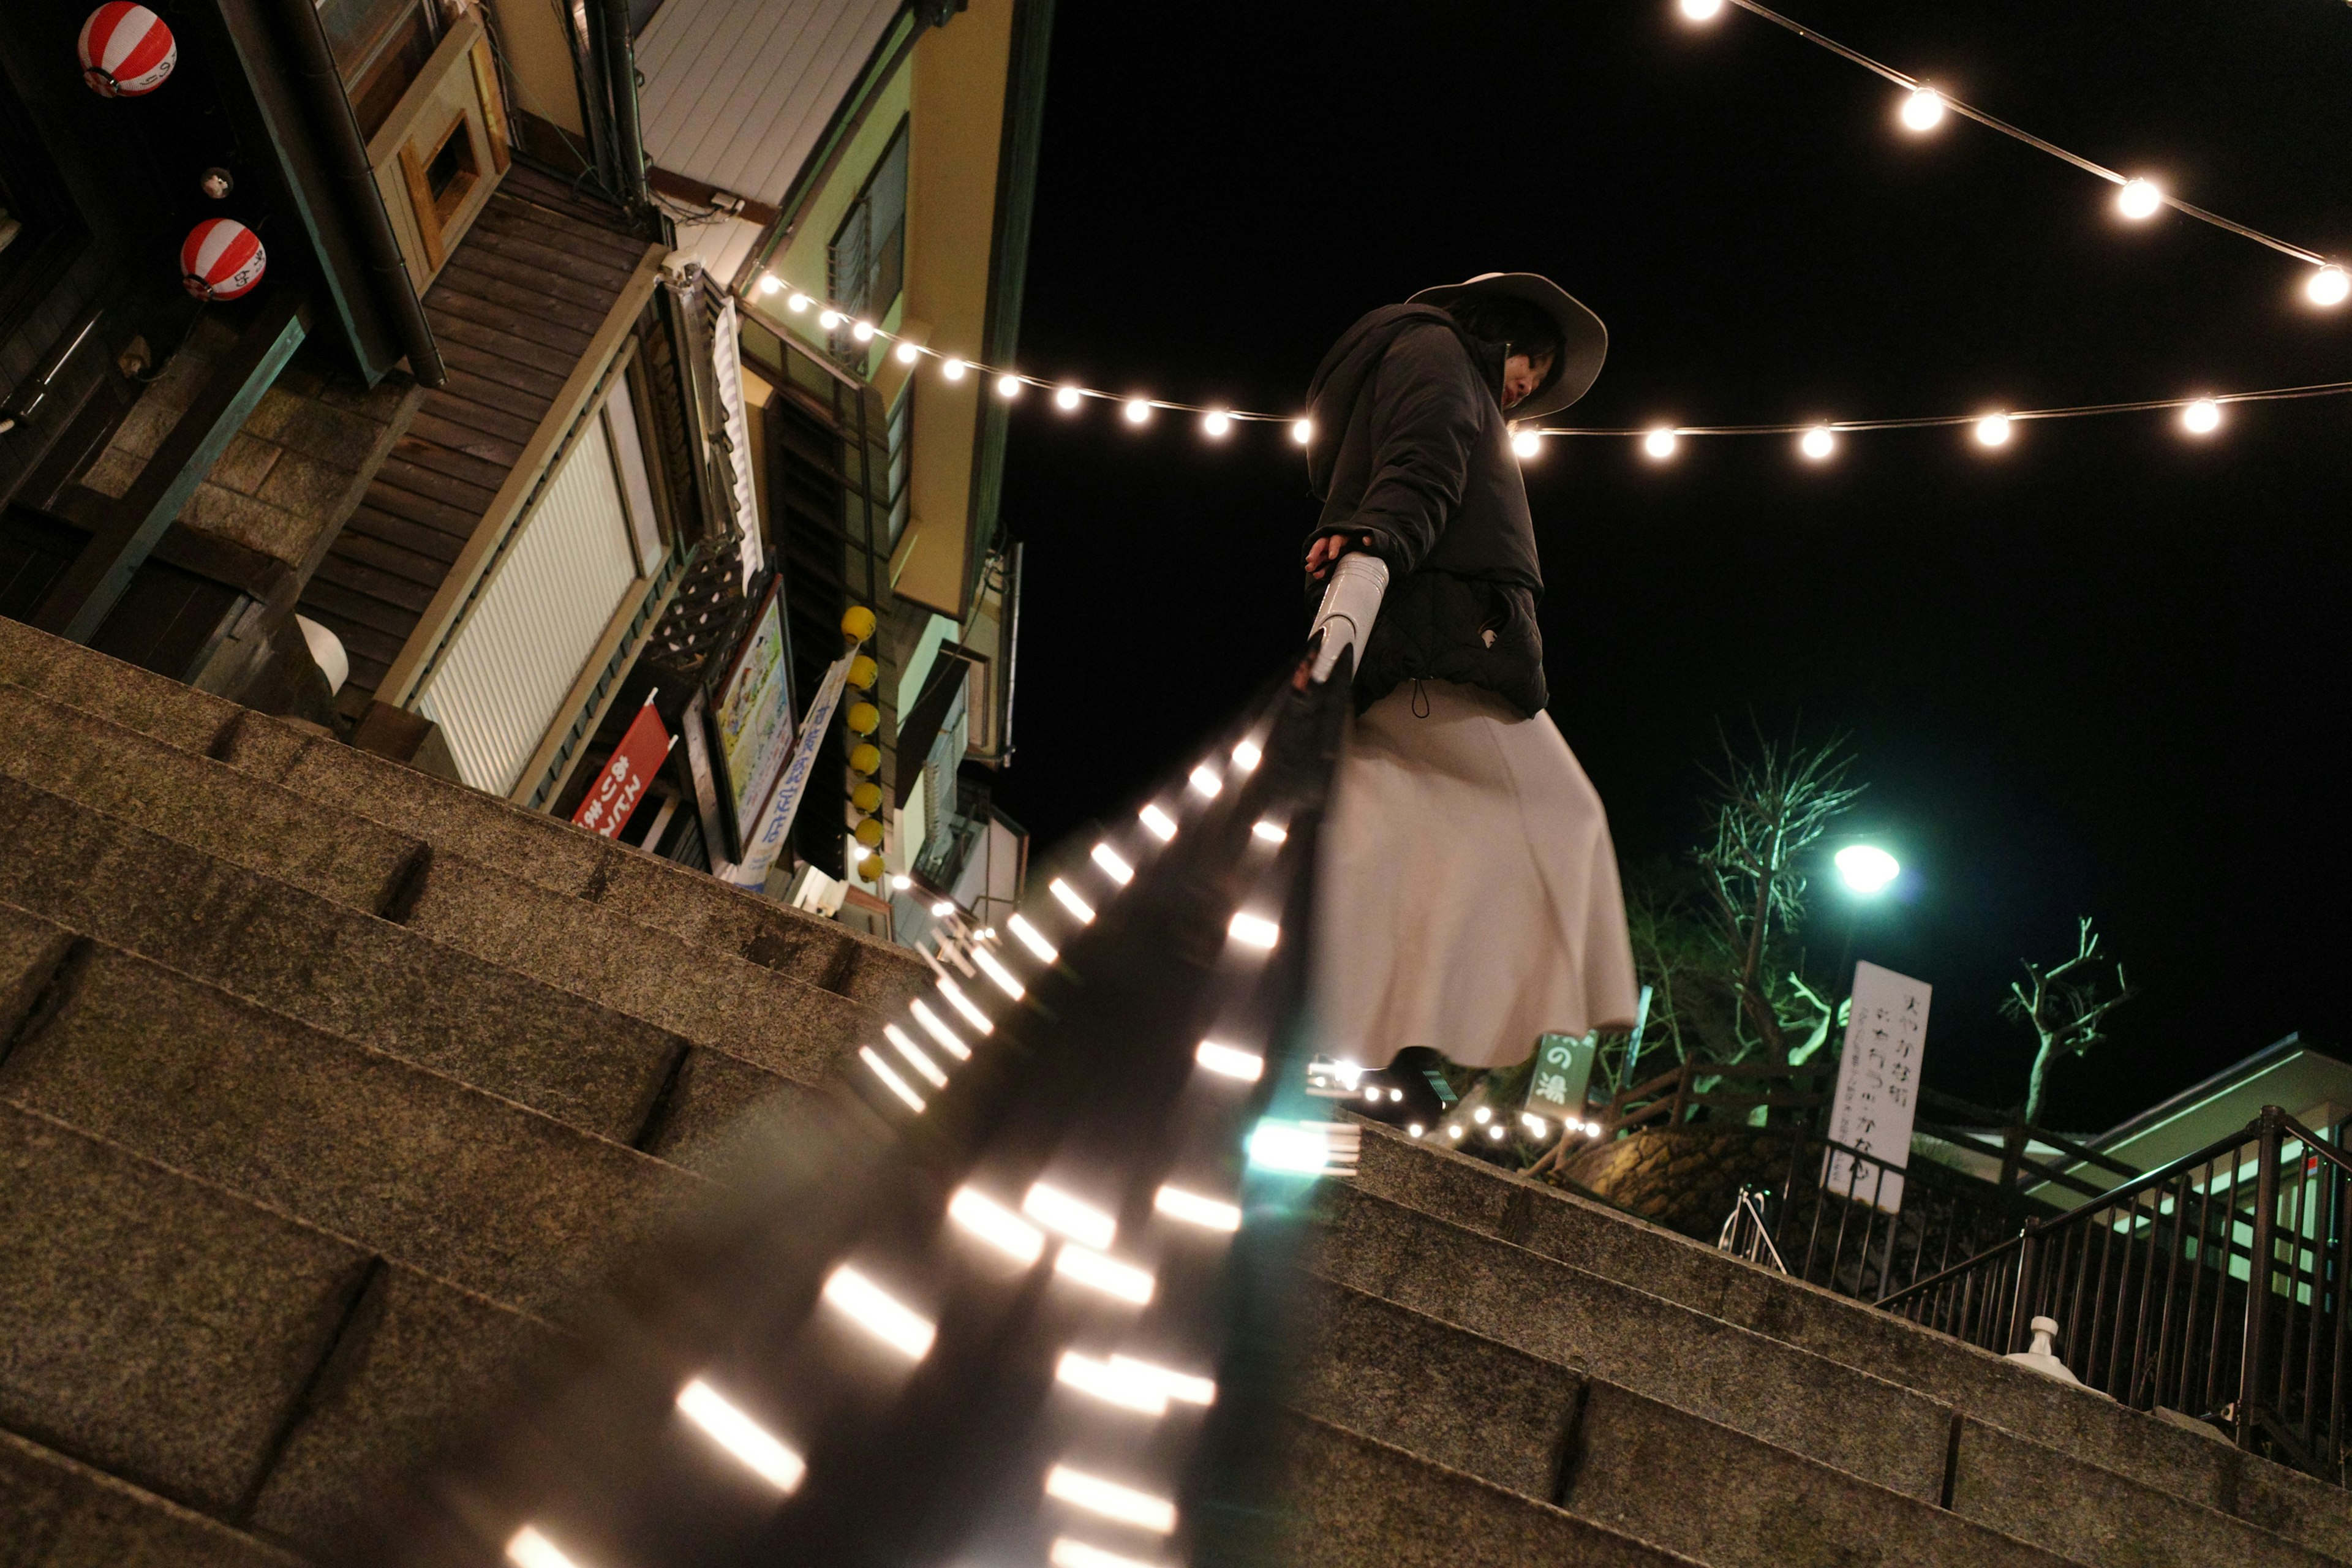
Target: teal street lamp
x,y
1866,869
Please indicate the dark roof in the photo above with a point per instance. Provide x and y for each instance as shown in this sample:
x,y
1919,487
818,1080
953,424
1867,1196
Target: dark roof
x,y
515,310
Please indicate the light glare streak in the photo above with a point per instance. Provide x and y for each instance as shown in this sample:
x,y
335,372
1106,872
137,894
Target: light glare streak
x,y
1204,782
914,1055
1231,1063
740,1435
1209,1214
1057,1210
996,1224
530,1548
994,968
1033,939
1161,826
1107,1384
1110,1499
873,1308
1271,832
1247,756
1106,1274
1068,1554
949,1040
963,1004
1116,869
897,1085
1253,931
1177,1385
1068,897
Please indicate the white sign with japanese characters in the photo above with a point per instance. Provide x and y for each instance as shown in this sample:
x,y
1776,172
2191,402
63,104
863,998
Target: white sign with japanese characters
x,y
1877,1088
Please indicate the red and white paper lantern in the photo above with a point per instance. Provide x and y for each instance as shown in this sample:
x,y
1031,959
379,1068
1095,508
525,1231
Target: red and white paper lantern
x,y
126,50
221,259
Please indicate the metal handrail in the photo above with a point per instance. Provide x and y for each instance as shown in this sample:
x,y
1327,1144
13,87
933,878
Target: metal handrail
x,y
2109,1199
2209,1283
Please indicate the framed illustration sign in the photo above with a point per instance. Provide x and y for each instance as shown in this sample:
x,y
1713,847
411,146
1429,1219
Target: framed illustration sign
x,y
751,715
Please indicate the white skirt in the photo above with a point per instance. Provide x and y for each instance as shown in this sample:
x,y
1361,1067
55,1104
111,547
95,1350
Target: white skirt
x,y
1467,896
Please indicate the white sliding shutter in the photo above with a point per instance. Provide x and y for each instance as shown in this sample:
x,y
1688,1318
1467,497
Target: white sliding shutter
x,y
504,676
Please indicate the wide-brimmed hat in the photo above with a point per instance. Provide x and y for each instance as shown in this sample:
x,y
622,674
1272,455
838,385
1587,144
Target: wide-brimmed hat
x,y
1584,342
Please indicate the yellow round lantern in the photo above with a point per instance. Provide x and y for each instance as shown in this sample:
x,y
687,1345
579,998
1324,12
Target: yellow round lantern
x,y
866,758
858,623
866,797
864,719
862,671
871,867
869,832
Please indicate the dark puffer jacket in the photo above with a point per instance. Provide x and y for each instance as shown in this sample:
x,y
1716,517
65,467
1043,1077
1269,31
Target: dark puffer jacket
x,y
1411,448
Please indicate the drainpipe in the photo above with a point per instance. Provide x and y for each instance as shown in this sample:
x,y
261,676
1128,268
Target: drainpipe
x,y
321,85
617,59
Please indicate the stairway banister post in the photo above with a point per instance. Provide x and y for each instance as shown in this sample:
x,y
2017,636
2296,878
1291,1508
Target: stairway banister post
x,y
2255,1355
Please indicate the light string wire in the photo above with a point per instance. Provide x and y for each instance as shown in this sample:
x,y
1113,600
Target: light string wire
x,y
800,302
1993,122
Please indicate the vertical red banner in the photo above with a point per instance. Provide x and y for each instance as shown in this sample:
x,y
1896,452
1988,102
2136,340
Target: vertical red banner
x,y
613,799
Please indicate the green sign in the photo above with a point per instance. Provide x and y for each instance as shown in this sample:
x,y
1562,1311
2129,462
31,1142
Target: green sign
x,y
1563,1071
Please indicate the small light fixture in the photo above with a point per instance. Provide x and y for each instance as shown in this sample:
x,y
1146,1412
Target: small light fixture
x,y
1923,108
1302,431
2138,199
2201,417
2329,286
952,369
1137,410
769,283
1659,444
907,353
1527,444
797,303
1818,443
1065,398
1215,423
1992,430
1008,386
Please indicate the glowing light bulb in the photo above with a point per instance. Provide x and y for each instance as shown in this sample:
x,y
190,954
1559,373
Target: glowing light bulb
x,y
1067,398
1992,430
1453,1130
1215,423
2201,417
863,331
1482,1116
2329,286
907,354
1659,444
2138,199
1008,387
952,369
1527,444
1497,1132
797,303
1302,431
1415,1129
829,319
900,882
1137,410
1818,443
1923,108
769,283
1702,10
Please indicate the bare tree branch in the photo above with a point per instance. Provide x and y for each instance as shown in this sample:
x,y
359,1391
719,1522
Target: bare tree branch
x,y
2066,1006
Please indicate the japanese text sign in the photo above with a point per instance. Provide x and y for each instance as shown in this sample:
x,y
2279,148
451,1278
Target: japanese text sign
x,y
613,799
1563,1071
1878,1087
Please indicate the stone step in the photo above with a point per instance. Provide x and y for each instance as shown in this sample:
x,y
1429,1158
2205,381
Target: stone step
x,y
714,999
1538,1426
225,1358
2094,1430
1827,1412
230,815
448,1179
1363,1503
55,1513
466,823
349,973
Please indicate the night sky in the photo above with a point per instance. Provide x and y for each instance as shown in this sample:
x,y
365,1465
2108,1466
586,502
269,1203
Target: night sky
x,y
2100,672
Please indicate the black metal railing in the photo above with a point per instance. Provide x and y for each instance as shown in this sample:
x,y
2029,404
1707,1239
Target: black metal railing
x,y
1849,1220
2213,1286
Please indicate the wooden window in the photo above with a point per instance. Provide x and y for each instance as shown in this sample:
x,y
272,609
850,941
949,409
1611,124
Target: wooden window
x,y
866,265
379,47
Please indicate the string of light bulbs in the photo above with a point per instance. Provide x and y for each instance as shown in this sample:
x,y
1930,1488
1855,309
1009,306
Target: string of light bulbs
x,y
1922,110
2138,196
1817,441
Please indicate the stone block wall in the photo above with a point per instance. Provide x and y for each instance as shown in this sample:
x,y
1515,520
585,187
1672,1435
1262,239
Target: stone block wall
x,y
292,475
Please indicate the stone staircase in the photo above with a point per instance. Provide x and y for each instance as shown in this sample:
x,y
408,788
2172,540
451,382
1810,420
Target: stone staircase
x,y
326,1087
